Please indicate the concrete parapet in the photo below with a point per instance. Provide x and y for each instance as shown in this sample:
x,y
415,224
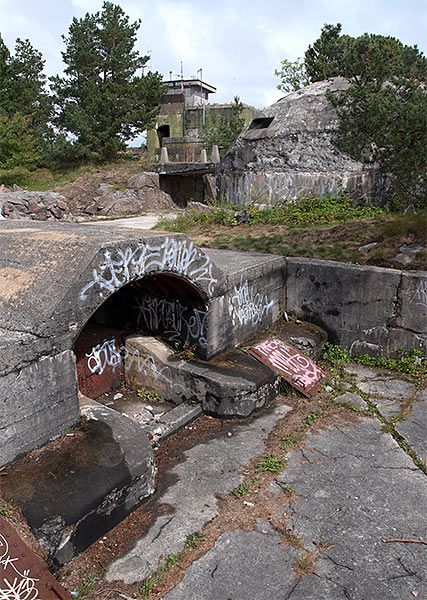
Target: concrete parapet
x,y
366,309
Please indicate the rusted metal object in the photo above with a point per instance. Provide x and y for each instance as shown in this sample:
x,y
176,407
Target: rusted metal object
x,y
296,368
23,575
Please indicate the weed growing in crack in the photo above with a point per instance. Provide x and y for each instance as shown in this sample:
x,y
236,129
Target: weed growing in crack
x,y
288,489
194,539
88,586
323,545
5,509
305,564
244,488
148,585
291,439
293,539
314,416
150,396
271,463
173,561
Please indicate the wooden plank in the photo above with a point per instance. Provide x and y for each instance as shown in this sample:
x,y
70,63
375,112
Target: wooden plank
x,y
296,368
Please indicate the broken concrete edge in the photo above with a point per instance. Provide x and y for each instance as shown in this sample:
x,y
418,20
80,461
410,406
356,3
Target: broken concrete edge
x,y
172,422
63,539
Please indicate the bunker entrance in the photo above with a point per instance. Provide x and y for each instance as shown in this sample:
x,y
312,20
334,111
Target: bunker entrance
x,y
164,306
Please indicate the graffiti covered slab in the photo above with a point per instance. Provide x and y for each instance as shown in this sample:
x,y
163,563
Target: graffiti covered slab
x,y
296,368
23,575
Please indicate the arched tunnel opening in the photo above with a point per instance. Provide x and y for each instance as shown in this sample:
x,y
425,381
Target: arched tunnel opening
x,y
161,305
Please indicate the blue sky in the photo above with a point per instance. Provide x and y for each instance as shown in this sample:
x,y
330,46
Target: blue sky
x,y
237,43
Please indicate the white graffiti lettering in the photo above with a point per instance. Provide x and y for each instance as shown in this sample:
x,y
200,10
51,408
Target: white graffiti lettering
x,y
147,364
178,323
103,355
179,256
20,586
419,294
111,354
249,306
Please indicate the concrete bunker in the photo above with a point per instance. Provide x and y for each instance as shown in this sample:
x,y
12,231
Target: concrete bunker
x,y
160,304
58,281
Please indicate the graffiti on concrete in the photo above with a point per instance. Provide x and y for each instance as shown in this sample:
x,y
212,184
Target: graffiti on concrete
x,y
179,256
248,306
111,354
419,294
178,323
16,585
104,355
146,365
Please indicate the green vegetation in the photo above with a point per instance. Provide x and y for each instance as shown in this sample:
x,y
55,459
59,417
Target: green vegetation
x,y
271,463
382,113
244,488
313,417
194,539
90,113
150,396
88,588
5,509
101,100
307,211
222,131
291,439
412,362
327,228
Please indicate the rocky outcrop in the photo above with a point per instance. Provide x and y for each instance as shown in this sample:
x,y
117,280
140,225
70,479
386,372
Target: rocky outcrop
x,y
141,194
288,153
37,206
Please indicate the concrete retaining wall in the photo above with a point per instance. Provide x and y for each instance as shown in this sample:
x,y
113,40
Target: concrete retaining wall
x,y
366,309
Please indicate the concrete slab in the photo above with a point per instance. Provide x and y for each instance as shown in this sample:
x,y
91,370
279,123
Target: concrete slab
x,y
232,384
357,487
242,565
208,469
414,429
386,389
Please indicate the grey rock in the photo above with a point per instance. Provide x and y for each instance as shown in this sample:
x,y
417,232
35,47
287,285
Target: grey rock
x,y
241,565
97,481
379,383
104,188
38,206
207,470
233,384
368,247
403,259
353,399
356,487
414,429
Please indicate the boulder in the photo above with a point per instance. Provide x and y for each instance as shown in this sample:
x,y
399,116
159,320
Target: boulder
x,y
141,194
37,206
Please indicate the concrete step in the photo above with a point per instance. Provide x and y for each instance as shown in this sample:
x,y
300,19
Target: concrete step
x,y
231,385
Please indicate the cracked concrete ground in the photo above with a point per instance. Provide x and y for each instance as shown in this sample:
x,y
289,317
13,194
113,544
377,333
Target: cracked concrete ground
x,y
353,486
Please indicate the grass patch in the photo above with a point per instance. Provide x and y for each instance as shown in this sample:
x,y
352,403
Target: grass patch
x,y
271,463
244,488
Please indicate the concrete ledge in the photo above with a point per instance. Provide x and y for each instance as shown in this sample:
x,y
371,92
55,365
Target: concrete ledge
x,y
172,421
80,488
232,384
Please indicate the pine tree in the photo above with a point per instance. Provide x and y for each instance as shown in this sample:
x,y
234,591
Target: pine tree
x,y
101,101
25,106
